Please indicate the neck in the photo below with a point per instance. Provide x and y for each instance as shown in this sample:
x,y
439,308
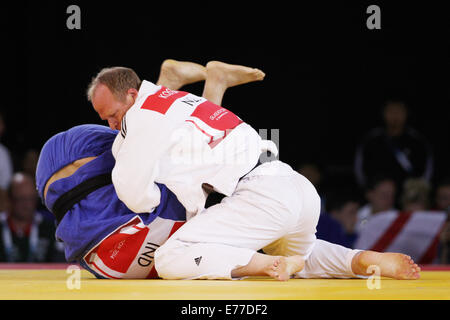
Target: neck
x,y
394,131
376,210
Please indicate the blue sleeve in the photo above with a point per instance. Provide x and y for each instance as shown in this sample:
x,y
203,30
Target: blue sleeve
x,y
169,206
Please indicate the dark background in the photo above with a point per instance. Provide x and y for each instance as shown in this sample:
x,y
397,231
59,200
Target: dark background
x,y
326,73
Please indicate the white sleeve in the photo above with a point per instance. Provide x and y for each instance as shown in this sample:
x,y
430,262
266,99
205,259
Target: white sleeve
x,y
136,165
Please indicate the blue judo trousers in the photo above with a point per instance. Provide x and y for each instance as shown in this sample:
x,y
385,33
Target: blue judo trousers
x,y
100,212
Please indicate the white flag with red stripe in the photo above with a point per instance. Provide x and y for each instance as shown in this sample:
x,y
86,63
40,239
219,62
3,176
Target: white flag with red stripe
x,y
413,233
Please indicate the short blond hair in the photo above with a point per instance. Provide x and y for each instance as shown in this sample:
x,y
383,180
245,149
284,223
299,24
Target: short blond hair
x,y
116,79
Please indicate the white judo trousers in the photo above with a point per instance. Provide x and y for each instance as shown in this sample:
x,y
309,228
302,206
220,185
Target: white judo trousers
x,y
273,208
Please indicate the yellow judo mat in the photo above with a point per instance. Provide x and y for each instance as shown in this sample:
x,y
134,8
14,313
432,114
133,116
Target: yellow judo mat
x,y
61,284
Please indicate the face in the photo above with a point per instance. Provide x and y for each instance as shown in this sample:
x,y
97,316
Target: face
x,y
109,107
395,115
23,198
382,197
443,197
30,161
347,215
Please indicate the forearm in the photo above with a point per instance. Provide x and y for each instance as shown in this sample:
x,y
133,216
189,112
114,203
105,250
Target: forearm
x,y
137,193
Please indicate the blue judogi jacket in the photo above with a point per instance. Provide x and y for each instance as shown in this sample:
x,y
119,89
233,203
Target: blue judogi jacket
x,y
100,212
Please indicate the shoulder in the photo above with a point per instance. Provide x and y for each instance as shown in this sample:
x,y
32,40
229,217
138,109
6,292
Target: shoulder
x,y
146,89
137,112
371,139
416,135
374,134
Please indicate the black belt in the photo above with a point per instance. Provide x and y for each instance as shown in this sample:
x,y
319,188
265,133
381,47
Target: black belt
x,y
66,201
269,154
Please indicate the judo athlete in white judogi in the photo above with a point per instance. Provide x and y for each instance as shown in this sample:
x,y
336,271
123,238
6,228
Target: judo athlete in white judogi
x,y
194,146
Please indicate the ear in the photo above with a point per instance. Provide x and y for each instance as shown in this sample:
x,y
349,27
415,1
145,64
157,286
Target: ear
x,y
133,92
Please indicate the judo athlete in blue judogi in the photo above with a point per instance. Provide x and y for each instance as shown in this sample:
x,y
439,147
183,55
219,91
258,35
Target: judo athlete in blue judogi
x,y
73,177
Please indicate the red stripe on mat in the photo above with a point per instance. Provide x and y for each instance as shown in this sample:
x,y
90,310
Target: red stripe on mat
x,y
35,266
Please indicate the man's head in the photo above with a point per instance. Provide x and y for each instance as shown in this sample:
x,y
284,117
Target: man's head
x,y
344,206
23,197
415,195
395,114
381,193
112,92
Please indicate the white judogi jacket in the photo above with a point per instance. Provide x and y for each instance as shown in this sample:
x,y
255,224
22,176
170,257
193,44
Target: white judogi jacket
x,y
183,141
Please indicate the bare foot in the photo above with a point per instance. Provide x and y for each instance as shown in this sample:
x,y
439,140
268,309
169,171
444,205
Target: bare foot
x,y
392,265
232,75
283,267
175,74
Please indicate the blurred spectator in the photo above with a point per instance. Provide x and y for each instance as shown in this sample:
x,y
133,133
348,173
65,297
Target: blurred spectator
x,y
395,149
413,233
26,236
442,203
415,195
29,162
6,167
311,172
338,223
380,195
442,195
444,244
28,165
413,230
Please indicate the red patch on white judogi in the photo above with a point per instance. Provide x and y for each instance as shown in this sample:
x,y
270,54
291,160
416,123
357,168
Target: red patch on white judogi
x,y
162,100
119,250
216,116
129,251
